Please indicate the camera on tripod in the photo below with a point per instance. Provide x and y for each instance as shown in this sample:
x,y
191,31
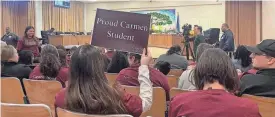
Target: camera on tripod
x,y
186,31
187,38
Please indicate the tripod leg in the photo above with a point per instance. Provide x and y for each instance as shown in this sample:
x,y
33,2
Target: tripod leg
x,y
187,51
192,53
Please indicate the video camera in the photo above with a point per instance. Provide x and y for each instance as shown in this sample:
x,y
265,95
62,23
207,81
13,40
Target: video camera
x,y
186,29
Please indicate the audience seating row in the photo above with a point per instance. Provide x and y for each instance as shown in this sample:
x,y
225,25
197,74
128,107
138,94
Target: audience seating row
x,y
172,80
176,72
41,95
42,110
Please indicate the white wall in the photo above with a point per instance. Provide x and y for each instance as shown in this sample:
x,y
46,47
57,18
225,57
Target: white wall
x,y
268,19
208,14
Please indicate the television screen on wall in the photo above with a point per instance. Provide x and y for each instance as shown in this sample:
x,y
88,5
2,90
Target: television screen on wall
x,y
62,3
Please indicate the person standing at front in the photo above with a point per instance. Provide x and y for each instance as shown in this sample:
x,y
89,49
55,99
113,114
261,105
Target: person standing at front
x,y
198,38
227,39
10,38
29,42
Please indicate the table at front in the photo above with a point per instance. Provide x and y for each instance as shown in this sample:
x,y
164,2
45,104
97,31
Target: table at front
x,y
66,40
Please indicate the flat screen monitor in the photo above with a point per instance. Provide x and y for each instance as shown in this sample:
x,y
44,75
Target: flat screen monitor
x,y
62,3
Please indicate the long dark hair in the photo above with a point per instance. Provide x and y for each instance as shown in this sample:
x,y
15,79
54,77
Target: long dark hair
x,y
215,65
50,64
27,29
88,90
174,49
119,61
243,54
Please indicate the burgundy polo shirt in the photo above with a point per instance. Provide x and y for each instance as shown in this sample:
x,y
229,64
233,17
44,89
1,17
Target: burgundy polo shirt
x,y
62,76
129,77
212,103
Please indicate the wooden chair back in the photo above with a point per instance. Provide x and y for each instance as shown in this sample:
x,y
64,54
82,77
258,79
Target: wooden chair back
x,y
111,78
175,72
176,91
158,107
266,105
66,113
25,110
42,91
173,81
11,90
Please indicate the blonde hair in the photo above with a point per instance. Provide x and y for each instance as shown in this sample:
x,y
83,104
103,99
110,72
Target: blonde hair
x,y
7,52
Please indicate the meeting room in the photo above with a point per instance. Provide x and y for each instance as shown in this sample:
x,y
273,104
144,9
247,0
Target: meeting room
x,y
137,58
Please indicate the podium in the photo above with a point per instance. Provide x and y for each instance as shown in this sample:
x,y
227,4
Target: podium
x,y
66,40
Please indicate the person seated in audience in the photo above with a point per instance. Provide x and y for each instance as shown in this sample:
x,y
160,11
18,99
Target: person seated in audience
x,y
216,80
26,57
71,51
10,38
10,66
61,47
29,42
50,67
110,53
174,58
241,60
62,57
88,90
129,76
163,67
3,44
118,62
263,82
187,75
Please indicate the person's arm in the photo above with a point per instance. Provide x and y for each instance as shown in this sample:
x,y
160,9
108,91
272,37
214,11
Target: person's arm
x,y
146,89
19,45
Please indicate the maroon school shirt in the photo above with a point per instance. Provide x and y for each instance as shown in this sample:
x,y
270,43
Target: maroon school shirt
x,y
212,103
29,44
62,76
129,77
132,103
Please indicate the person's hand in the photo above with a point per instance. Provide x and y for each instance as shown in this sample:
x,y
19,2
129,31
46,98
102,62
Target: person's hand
x,y
146,59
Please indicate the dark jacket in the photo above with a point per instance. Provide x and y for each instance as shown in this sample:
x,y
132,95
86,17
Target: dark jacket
x,y
10,39
12,69
227,41
198,40
260,84
175,60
